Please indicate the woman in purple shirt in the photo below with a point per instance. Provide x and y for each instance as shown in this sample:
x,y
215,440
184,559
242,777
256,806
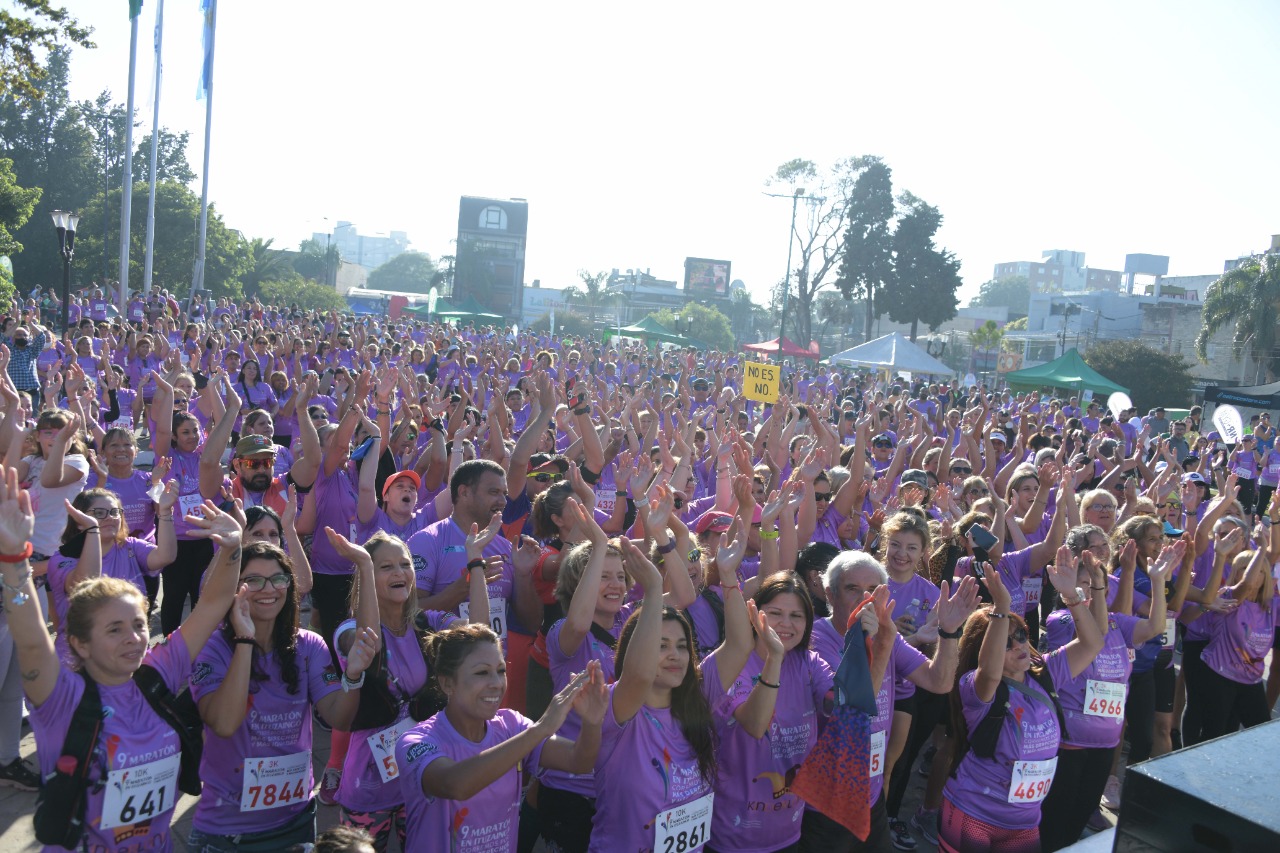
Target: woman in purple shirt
x,y
464,768
255,683
992,801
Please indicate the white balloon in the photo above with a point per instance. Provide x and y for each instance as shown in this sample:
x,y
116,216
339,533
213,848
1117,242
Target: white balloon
x,y
1118,402
1229,423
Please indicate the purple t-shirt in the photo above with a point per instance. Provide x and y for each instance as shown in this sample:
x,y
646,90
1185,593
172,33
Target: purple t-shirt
x,y
139,510
276,726
422,518
916,598
981,787
828,527
1014,567
363,788
645,767
335,498
1239,641
440,557
133,737
563,668
486,823
706,628
186,470
753,771
1093,703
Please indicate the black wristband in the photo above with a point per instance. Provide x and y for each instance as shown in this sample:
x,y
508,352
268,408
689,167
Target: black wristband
x,y
243,641
950,635
476,564
764,683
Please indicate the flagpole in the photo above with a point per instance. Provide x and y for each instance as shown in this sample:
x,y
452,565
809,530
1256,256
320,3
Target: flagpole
x,y
211,25
126,198
155,142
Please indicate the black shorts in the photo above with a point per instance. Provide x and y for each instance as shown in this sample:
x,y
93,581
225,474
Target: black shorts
x,y
906,705
1248,494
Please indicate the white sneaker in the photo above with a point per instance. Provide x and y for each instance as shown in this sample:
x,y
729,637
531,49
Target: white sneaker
x,y
1111,794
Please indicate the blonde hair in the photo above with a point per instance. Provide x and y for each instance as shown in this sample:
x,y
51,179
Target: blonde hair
x,y
88,598
572,567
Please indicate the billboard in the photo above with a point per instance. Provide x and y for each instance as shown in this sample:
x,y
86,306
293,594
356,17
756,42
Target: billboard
x,y
705,277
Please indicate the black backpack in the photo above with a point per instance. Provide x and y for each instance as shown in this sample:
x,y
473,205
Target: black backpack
x,y
987,733
64,796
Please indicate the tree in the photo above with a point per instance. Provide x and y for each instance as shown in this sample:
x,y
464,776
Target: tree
x,y
987,337
567,323
411,272
1013,293
833,308
292,289
227,253
702,323
1153,378
1248,296
266,265
16,206
171,159
866,264
925,278
314,260
43,28
592,295
816,235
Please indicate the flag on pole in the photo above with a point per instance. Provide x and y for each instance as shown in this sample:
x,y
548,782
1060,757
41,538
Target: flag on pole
x,y
210,10
135,7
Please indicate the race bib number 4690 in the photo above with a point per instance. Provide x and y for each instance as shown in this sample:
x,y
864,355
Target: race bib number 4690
x,y
1031,780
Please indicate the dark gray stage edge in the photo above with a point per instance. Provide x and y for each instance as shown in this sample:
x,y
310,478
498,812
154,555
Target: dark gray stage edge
x,y
1223,795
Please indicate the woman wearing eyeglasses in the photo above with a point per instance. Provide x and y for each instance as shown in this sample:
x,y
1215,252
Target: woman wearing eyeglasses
x,y
1005,764
112,553
255,683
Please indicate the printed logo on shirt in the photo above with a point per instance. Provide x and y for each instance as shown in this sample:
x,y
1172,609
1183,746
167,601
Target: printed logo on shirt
x,y
455,549
418,750
330,675
200,672
419,563
781,784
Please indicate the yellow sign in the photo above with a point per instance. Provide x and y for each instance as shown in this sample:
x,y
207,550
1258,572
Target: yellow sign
x,y
760,382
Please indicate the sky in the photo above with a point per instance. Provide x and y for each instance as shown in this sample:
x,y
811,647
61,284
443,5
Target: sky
x,y
644,133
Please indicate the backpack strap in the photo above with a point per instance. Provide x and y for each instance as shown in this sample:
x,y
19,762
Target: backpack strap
x,y
63,797
180,713
604,636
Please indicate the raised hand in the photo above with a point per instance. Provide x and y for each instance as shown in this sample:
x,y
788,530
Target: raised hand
x,y
561,704
773,645
241,621
956,603
169,496
995,587
641,567
82,520
362,653
524,557
478,540
730,549
219,527
593,699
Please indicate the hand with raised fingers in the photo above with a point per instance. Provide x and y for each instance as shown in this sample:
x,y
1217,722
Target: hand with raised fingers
x,y
241,621
730,549
592,700
478,540
215,525
346,549
774,648
364,650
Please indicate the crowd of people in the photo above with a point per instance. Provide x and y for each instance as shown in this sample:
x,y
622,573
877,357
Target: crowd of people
x,y
543,589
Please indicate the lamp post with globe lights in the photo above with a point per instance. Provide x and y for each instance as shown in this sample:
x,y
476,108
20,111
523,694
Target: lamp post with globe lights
x,y
65,222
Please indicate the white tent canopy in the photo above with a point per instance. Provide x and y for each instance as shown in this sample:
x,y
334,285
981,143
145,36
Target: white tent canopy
x,y
892,352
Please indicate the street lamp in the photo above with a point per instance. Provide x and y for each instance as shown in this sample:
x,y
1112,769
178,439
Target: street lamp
x,y
791,239
65,222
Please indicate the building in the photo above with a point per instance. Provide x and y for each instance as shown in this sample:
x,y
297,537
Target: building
x,y
1058,271
640,293
365,250
537,301
492,236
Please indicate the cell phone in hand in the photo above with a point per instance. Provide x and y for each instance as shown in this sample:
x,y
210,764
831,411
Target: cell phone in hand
x,y
982,537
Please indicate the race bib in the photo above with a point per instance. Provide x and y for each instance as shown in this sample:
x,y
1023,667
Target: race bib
x,y
351,534
276,781
605,501
1243,473
1031,780
140,793
382,746
1031,588
683,828
1170,629
125,422
497,615
1273,470
877,753
1104,699
191,505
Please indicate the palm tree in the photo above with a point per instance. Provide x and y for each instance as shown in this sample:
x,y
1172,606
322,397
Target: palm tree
x,y
592,295
1249,296
987,338
268,265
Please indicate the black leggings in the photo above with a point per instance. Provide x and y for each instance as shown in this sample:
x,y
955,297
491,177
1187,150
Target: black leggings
x,y
1077,787
181,581
821,834
1193,670
1231,703
564,819
329,599
930,710
1140,715
1264,498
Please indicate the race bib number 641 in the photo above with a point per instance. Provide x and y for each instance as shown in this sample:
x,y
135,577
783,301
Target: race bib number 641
x,y
140,793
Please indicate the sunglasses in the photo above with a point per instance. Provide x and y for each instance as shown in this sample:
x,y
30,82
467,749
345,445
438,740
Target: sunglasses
x,y
104,512
964,471
546,478
319,417
980,492
257,583
882,444
1016,635
258,464
822,496
1167,505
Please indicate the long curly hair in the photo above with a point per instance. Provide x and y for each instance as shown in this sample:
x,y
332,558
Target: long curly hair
x,y
284,634
689,707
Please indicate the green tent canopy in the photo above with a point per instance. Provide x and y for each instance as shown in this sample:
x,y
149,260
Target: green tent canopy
x,y
650,329
1069,371
468,308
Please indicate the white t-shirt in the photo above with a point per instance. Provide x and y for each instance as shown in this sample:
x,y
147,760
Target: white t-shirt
x,y
51,513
